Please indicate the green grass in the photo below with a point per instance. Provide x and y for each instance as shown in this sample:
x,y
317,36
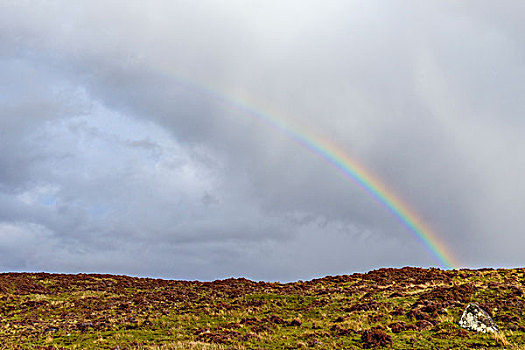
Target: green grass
x,y
417,308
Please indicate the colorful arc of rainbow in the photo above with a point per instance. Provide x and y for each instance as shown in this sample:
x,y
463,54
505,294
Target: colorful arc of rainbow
x,y
335,156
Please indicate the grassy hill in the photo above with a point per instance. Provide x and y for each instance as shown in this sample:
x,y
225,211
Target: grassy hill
x,y
408,308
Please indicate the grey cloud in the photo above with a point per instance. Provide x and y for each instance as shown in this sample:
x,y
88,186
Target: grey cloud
x,y
121,136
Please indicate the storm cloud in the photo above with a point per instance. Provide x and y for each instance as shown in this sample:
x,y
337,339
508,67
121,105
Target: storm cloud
x,y
123,148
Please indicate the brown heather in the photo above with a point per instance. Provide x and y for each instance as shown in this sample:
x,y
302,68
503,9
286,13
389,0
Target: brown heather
x,y
408,308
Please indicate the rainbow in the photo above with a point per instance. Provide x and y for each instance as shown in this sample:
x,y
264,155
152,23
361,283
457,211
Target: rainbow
x,y
338,158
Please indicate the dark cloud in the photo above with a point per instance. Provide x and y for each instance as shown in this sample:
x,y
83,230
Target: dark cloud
x,y
124,147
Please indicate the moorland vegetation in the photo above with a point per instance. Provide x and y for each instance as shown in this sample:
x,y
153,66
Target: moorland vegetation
x,y
408,308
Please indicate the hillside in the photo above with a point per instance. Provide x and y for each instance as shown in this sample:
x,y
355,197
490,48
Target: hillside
x,y
403,308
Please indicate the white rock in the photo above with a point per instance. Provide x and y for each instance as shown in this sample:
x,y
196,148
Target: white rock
x,y
476,319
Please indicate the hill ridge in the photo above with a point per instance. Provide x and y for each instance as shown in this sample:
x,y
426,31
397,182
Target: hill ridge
x,y
405,308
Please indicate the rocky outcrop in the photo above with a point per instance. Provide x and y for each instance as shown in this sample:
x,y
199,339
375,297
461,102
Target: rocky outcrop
x,y
474,318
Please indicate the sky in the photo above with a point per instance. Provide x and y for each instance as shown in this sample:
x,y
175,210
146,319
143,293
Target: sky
x,y
124,149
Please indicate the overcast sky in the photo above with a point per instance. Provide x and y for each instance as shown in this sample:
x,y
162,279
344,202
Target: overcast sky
x,y
121,149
